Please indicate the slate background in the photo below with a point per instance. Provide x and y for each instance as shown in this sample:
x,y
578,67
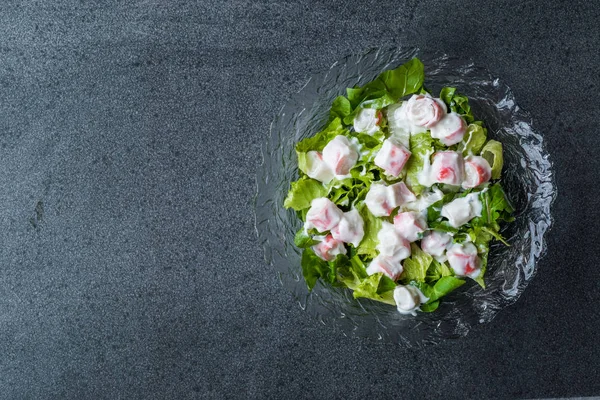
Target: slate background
x,y
129,139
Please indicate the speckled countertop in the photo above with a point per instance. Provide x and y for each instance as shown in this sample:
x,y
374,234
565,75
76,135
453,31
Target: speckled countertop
x,y
129,140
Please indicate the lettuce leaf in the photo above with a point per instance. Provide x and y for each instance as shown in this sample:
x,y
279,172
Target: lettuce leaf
x,y
376,287
313,268
340,108
474,139
415,267
389,87
303,192
303,239
438,270
421,146
318,141
440,289
406,79
372,225
496,208
492,152
457,103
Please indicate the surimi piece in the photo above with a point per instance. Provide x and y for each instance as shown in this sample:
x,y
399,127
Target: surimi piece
x,y
477,172
340,155
410,225
435,243
392,157
391,244
450,129
391,269
381,200
350,229
463,259
424,110
317,168
367,120
323,215
329,248
447,167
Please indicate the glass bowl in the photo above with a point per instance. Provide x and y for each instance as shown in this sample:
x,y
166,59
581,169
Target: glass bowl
x,y
527,179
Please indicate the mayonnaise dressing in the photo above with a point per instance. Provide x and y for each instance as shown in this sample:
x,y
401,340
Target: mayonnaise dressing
x,y
408,299
462,210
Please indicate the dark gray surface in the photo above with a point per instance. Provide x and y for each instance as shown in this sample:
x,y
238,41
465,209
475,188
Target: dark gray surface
x,y
129,139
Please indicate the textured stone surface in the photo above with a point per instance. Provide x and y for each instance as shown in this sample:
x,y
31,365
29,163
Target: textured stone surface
x,y
129,138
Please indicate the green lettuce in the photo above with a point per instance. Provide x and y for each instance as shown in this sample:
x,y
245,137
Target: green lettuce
x,y
492,152
340,108
421,146
415,267
372,225
457,103
303,239
303,192
438,270
389,87
376,287
313,268
474,139
318,141
438,290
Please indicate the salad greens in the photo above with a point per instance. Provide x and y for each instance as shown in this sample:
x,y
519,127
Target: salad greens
x,y
433,277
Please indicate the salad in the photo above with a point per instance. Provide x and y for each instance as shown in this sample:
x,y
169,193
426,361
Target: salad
x,y
399,194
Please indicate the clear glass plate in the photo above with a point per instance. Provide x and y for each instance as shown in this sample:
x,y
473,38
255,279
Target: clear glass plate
x,y
527,179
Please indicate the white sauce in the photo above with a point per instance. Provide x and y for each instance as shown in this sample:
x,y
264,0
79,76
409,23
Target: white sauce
x,y
366,121
462,210
391,244
408,299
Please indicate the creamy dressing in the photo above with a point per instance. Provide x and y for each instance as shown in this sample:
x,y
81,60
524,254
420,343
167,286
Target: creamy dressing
x,y
350,229
392,157
366,121
463,260
410,225
400,126
424,201
391,244
408,299
340,155
462,210
425,176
